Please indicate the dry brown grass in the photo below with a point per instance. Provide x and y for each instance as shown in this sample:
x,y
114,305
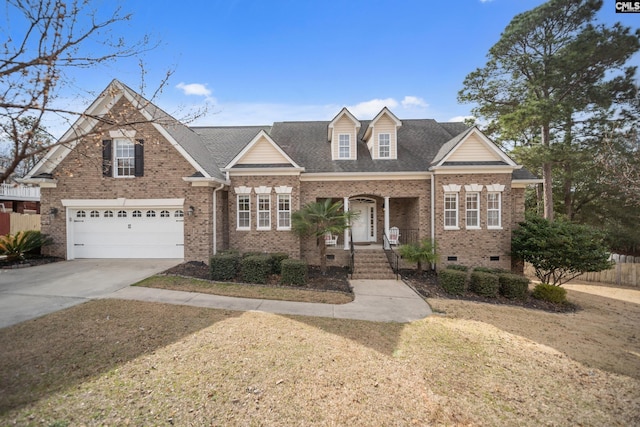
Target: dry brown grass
x,y
112,362
241,290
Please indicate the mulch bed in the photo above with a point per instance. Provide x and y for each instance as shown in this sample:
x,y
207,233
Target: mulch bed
x,y
427,286
335,279
31,261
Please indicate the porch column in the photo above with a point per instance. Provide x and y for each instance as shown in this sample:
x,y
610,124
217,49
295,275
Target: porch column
x,y
346,230
386,222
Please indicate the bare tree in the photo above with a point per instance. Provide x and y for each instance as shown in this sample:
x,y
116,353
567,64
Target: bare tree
x,y
46,41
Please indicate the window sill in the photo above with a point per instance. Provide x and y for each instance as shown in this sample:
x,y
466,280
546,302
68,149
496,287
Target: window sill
x,y
263,229
283,229
243,229
494,228
474,228
451,228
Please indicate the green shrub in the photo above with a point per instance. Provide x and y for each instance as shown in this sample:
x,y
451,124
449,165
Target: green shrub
x,y
256,269
224,266
457,267
452,281
16,246
491,270
485,284
513,285
294,272
276,261
550,293
253,253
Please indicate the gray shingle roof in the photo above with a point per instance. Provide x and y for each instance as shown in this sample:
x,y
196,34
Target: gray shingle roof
x,y
306,143
190,141
225,142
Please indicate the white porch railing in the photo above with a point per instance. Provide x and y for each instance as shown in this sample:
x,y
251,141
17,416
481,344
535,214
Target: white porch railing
x,y
19,192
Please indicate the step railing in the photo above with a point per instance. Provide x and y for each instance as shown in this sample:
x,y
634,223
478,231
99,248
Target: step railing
x,y
393,257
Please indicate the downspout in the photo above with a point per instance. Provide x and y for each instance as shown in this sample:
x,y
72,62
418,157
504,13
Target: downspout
x,y
433,208
433,214
215,218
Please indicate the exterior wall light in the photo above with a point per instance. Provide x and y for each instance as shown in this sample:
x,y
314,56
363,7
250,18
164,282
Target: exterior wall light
x,y
191,211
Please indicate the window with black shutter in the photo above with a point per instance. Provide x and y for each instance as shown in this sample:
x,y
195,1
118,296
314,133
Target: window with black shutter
x,y
122,158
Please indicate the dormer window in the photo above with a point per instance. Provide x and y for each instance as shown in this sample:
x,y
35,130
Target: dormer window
x,y
344,146
384,145
381,135
343,135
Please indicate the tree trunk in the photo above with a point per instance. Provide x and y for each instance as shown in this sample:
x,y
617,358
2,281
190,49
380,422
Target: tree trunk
x,y
323,255
546,177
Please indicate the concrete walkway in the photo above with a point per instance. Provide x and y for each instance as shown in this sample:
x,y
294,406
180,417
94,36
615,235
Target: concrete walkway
x,y
375,300
33,292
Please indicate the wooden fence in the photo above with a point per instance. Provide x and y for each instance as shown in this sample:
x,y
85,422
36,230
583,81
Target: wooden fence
x,y
12,222
626,272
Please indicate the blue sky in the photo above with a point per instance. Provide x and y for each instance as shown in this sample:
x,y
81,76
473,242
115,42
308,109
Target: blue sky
x,y
257,61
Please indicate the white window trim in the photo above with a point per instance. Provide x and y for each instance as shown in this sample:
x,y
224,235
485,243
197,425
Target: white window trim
x,y
288,197
348,136
476,210
115,157
259,211
238,211
499,210
457,211
388,145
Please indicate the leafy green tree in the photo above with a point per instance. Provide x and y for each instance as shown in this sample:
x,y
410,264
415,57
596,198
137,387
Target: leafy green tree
x,y
551,66
561,250
421,253
319,218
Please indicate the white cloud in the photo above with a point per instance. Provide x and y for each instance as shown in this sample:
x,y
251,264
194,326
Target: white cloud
x,y
368,109
460,118
413,101
194,89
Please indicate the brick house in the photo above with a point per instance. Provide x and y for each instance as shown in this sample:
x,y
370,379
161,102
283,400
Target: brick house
x,y
161,189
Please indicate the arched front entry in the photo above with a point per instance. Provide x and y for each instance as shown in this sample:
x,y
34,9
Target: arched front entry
x,y
363,228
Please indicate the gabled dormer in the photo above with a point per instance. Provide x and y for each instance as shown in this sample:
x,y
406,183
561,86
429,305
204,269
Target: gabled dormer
x,y
262,152
343,136
382,135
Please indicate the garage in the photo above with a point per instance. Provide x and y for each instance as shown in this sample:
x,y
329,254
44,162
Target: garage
x,y
125,230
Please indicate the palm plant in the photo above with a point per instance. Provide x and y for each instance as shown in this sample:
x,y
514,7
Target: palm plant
x,y
423,253
319,218
16,246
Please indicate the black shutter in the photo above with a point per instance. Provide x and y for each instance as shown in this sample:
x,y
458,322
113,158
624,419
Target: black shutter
x,y
107,158
139,159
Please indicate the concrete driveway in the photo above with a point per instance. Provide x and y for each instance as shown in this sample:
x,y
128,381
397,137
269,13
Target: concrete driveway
x,y
28,293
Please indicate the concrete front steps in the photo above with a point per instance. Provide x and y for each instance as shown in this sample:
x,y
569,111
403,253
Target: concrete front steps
x,y
371,264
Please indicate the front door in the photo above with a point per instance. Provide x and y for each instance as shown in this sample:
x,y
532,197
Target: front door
x,y
363,227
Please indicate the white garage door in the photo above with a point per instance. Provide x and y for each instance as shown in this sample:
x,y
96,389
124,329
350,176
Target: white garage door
x,y
128,233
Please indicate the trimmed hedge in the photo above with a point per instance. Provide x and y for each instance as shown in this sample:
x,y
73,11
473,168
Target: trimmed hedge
x,y
256,268
485,284
276,261
224,266
513,286
550,293
491,270
294,272
452,281
457,267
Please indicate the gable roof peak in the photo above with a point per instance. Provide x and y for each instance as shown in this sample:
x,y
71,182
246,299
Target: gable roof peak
x,y
343,112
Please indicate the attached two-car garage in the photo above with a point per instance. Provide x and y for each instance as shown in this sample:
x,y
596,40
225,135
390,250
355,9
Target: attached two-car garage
x,y
125,228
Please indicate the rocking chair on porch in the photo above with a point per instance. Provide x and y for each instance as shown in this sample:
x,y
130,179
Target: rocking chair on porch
x,y
330,239
394,236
